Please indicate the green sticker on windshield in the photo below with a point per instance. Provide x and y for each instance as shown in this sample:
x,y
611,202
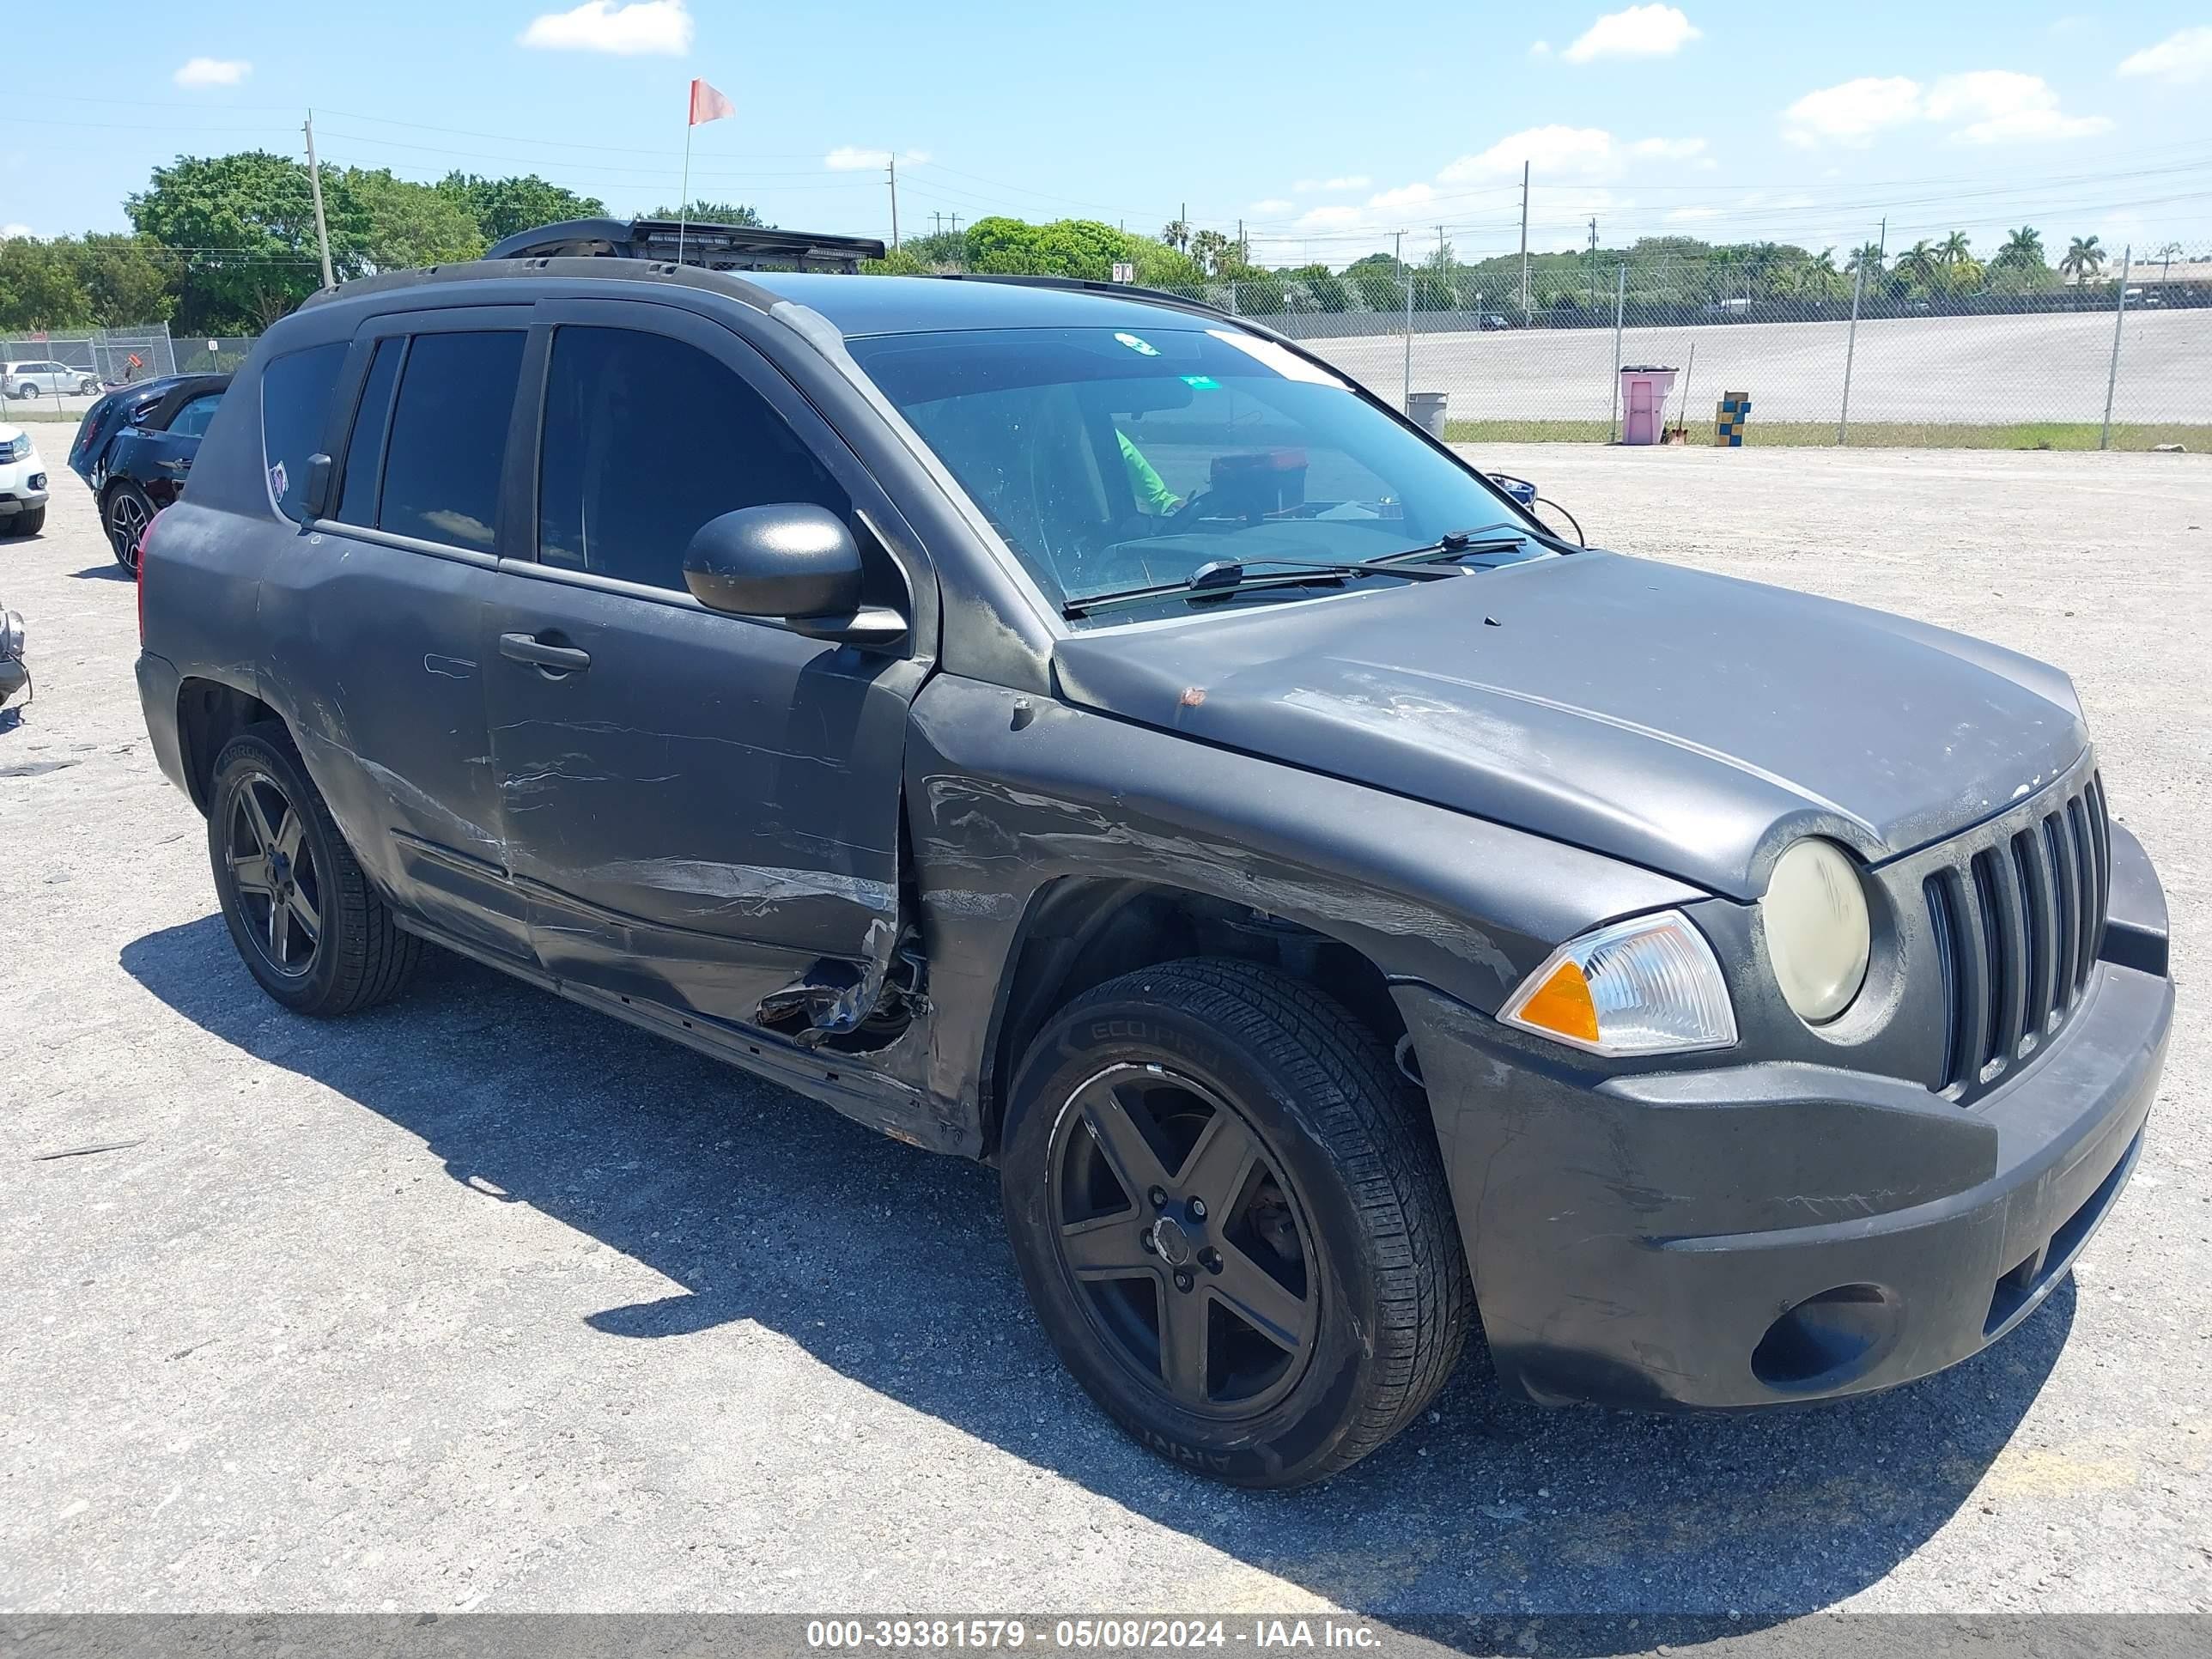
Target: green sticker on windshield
x,y
1144,348
1202,382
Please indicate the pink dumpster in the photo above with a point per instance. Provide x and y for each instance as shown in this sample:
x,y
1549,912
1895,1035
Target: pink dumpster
x,y
1643,403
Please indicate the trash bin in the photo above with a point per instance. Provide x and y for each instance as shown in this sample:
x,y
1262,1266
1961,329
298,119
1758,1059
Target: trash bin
x,y
1426,410
1644,391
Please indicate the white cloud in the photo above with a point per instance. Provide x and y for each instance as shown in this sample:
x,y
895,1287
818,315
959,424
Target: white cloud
x,y
853,158
1982,106
1682,215
1540,48
646,26
2183,57
1670,150
1404,196
1269,208
1638,32
1585,152
213,72
1852,112
1349,181
1331,218
10,233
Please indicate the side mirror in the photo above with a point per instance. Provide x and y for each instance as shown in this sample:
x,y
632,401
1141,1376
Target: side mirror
x,y
795,562
315,500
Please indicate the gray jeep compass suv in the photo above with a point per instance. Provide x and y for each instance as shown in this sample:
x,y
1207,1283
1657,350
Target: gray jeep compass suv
x,y
1074,728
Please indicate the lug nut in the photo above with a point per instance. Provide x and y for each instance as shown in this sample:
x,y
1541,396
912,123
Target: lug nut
x,y
1145,1242
1210,1259
1198,1209
1159,1198
1184,1281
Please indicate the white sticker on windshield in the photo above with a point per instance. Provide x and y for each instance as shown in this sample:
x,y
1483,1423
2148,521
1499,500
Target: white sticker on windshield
x,y
1144,348
1288,364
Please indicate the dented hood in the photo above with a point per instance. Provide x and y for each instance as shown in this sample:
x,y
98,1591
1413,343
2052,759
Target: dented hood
x,y
1688,723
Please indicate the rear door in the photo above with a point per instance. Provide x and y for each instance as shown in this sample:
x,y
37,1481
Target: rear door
x,y
161,460
378,619
702,809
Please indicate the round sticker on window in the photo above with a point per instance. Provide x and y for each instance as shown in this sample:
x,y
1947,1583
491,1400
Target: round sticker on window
x,y
1143,347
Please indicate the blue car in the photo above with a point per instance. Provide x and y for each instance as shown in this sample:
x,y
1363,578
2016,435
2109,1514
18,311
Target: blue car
x,y
134,447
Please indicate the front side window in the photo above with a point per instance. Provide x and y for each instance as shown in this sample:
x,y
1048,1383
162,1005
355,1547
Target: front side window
x,y
646,439
449,425
295,397
364,454
1111,460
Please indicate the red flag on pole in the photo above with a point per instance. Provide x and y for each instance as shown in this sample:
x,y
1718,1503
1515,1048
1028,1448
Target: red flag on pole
x,y
708,104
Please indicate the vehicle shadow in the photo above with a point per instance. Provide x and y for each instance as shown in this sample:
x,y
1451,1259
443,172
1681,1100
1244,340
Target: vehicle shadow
x,y
110,572
1490,1507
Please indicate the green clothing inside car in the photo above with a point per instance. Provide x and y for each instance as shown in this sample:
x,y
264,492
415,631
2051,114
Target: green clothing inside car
x,y
1151,490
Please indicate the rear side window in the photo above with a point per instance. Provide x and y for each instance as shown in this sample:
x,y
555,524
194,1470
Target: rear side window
x,y
364,455
648,438
191,421
448,437
295,397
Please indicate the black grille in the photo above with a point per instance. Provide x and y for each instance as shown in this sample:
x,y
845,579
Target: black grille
x,y
2017,925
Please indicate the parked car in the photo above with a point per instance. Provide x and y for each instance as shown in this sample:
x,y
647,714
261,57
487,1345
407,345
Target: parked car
x,y
45,379
135,447
1074,728
23,484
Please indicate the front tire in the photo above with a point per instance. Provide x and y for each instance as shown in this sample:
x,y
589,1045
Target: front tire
x,y
1232,1224
309,928
27,523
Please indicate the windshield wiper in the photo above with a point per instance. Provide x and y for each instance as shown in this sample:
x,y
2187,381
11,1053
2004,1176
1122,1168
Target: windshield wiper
x,y
1481,538
1224,576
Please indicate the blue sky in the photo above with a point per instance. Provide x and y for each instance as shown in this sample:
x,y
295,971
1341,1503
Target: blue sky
x,y
1323,126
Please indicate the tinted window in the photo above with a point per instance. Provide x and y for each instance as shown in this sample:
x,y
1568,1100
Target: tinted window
x,y
191,421
448,437
364,455
646,439
295,395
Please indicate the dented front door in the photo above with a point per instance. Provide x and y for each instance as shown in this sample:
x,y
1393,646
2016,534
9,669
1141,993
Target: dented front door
x,y
702,811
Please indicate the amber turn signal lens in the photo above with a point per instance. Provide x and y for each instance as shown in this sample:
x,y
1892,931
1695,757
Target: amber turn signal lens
x,y
1562,1005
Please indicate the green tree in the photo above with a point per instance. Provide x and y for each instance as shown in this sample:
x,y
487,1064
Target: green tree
x,y
40,287
245,227
129,279
1920,265
712,213
1159,265
940,249
412,225
1378,281
1002,246
1316,288
502,207
897,262
2022,248
1175,234
2085,258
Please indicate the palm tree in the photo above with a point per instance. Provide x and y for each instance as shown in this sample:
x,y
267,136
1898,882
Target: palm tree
x,y
1867,256
2023,246
1954,248
1175,234
2085,257
1918,264
2165,256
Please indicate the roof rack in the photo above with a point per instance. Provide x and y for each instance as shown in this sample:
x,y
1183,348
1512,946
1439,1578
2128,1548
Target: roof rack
x,y
710,246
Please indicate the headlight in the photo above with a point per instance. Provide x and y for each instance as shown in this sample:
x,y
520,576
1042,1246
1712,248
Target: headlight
x,y
1817,933
1645,987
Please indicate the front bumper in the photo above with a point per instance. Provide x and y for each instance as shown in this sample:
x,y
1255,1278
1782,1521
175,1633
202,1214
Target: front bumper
x,y
1754,1234
22,498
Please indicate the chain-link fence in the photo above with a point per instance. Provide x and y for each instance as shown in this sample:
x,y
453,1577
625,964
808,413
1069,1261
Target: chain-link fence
x,y
60,374
2021,357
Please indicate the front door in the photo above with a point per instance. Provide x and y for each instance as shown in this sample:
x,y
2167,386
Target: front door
x,y
701,810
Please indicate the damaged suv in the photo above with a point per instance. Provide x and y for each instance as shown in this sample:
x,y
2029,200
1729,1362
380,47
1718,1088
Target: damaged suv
x,y
1075,729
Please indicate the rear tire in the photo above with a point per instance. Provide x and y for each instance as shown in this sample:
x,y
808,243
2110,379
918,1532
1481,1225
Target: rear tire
x,y
308,925
1331,1191
125,515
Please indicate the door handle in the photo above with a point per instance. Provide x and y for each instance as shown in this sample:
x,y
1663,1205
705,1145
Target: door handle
x,y
558,659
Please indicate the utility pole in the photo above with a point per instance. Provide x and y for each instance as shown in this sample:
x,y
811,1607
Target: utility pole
x,y
955,224
2119,322
1881,244
1398,252
891,159
1590,264
315,187
1524,244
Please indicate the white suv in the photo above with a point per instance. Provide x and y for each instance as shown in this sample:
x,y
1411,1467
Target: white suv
x,y
45,379
22,484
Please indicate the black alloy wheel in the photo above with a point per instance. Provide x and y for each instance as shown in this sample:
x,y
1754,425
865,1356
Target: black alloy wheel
x,y
1231,1218
1183,1239
273,873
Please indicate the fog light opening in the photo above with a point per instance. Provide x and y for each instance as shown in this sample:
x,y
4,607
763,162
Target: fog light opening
x,y
1827,1339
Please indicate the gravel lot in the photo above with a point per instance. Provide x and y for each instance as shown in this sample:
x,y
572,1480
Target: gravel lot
x,y
2047,368
484,1301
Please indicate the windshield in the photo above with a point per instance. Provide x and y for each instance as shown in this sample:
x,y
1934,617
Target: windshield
x,y
1111,460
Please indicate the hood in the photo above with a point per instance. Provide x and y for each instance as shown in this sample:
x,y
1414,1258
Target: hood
x,y
1690,723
